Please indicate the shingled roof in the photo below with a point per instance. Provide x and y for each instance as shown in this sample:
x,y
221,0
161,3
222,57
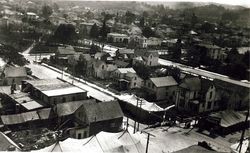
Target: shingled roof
x,y
193,84
164,81
102,111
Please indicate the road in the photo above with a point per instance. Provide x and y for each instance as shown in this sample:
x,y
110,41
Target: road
x,y
47,72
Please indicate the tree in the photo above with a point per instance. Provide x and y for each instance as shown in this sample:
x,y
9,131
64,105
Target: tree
x,y
104,30
142,22
94,31
148,32
177,50
65,33
245,59
46,11
94,49
129,17
81,66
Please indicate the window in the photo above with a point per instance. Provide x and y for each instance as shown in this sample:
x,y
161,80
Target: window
x,y
173,92
209,104
151,56
102,66
150,63
166,93
149,84
85,134
73,98
79,136
211,94
63,99
54,100
135,78
194,94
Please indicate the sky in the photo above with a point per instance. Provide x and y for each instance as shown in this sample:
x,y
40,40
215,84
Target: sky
x,y
245,3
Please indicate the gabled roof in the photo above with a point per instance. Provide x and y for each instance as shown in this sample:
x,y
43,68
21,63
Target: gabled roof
x,y
193,84
64,109
206,84
146,52
96,112
15,71
121,63
126,70
66,50
126,51
164,81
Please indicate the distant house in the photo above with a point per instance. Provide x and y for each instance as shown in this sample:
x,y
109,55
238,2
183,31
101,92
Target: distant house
x,y
127,78
146,57
63,52
13,75
140,41
125,54
102,70
153,42
85,27
213,51
117,38
53,91
162,88
32,15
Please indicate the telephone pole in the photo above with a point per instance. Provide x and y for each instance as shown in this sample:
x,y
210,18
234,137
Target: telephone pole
x,y
148,139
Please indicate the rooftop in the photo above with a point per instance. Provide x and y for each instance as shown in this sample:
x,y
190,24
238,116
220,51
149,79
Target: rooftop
x,y
193,83
69,108
117,35
66,50
63,91
126,70
102,111
164,81
15,71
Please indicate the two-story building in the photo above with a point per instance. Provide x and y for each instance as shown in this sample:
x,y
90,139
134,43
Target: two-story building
x,y
127,78
63,52
188,94
213,51
196,95
146,57
162,88
102,70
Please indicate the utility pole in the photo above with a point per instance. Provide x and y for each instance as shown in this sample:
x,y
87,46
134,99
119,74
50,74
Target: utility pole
x,y
148,137
243,132
136,113
138,124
